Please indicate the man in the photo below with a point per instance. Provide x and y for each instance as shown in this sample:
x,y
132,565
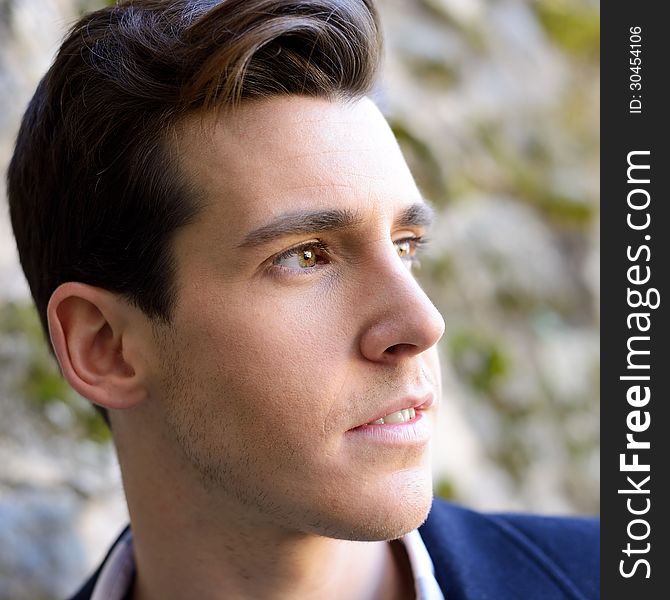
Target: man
x,y
218,230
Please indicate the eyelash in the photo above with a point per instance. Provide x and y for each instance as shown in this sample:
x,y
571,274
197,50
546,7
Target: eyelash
x,y
416,243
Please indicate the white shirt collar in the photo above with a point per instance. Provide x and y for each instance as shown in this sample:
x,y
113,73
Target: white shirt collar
x,y
423,570
117,573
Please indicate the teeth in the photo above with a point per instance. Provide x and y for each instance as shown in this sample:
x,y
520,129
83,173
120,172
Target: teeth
x,y
396,417
400,416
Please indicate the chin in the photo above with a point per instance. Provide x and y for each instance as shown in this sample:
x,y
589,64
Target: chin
x,y
388,514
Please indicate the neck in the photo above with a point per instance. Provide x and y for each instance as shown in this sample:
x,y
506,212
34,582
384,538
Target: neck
x,y
192,543
314,568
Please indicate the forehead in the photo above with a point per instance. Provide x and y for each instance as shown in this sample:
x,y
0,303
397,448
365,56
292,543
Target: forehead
x,y
294,153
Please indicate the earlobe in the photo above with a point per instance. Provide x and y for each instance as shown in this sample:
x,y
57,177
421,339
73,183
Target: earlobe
x,y
89,333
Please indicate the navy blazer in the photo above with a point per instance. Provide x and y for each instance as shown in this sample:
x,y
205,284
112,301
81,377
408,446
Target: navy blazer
x,y
481,556
512,557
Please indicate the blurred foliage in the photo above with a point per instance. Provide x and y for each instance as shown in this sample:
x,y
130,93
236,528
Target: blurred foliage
x,y
84,6
439,11
574,26
478,359
426,166
444,488
527,174
41,383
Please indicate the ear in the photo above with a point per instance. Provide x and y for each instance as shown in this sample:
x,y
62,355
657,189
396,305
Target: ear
x,y
94,341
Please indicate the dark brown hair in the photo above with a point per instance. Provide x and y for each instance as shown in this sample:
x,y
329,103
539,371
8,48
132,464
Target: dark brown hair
x,y
94,191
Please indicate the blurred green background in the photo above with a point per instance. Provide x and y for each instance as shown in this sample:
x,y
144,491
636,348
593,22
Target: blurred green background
x,y
496,106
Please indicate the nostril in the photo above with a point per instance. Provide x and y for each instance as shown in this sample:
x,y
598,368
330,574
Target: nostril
x,y
399,348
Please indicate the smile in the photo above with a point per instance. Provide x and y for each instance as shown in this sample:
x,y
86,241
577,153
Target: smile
x,y
399,416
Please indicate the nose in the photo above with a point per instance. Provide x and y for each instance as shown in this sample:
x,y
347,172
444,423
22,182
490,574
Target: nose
x,y
404,322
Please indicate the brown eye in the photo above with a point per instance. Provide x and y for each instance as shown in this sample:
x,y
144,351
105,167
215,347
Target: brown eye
x,y
307,258
407,249
303,258
404,248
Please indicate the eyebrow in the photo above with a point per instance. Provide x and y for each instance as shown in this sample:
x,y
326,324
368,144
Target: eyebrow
x,y
419,214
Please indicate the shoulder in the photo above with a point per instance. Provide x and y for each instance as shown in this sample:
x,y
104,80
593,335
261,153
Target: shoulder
x,y
501,556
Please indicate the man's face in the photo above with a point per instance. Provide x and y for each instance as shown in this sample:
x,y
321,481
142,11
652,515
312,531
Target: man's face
x,y
298,321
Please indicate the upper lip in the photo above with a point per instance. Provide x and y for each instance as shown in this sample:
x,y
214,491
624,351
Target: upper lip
x,y
417,402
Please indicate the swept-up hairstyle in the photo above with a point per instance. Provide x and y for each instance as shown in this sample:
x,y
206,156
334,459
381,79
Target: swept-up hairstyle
x,y
95,193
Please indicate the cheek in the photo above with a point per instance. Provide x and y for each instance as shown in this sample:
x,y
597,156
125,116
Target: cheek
x,y
281,359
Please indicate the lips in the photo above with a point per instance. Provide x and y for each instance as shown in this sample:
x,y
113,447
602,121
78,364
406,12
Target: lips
x,y
399,412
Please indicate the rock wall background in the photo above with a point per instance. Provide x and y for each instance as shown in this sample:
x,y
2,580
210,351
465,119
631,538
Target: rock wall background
x,y
496,106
